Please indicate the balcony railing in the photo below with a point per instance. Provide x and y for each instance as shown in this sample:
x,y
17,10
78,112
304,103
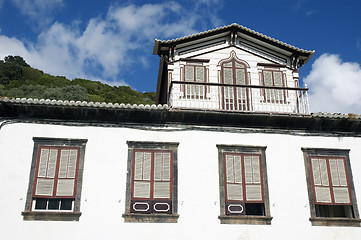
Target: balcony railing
x,y
239,98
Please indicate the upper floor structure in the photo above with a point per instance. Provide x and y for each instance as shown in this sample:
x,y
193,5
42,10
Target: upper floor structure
x,y
231,68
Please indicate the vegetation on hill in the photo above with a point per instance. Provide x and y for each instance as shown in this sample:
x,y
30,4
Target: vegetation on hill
x,y
19,79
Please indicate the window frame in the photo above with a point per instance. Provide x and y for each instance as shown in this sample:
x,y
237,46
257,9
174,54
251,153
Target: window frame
x,y
29,212
234,102
202,95
152,217
281,100
326,153
245,151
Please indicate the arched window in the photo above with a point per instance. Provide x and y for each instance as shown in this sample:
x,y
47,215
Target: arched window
x,y
234,72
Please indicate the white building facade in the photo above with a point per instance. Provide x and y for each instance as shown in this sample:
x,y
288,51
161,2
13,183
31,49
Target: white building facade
x,y
228,169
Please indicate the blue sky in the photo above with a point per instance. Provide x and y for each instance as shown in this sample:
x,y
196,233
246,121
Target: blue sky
x,y
112,41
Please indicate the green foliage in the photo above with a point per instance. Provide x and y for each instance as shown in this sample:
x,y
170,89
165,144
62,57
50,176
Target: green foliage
x,y
18,79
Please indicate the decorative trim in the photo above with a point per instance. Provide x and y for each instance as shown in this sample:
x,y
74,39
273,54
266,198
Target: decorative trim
x,y
233,55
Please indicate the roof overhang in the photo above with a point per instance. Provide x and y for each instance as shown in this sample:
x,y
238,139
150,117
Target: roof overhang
x,y
162,47
162,116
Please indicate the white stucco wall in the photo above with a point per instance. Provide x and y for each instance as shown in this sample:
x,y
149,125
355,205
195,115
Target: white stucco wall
x,y
104,183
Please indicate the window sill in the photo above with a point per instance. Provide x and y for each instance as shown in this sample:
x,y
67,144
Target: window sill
x,y
245,219
50,216
332,221
150,218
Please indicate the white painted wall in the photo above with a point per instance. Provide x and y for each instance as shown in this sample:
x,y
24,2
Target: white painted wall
x,y
103,193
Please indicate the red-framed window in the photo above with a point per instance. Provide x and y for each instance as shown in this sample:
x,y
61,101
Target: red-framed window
x,y
243,184
330,181
273,78
152,181
194,73
56,178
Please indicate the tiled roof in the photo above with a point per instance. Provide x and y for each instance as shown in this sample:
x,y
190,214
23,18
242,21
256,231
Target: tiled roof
x,y
82,103
142,106
242,28
337,115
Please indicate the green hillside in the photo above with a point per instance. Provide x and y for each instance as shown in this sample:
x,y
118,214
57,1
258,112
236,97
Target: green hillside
x,y
18,79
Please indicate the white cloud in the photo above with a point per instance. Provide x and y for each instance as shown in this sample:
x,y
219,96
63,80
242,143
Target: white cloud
x,y
102,49
40,11
335,86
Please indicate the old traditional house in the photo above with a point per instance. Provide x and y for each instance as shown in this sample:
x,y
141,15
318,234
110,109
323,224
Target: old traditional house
x,y
231,151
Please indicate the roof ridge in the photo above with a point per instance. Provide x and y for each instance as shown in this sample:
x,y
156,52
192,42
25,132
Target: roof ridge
x,y
241,27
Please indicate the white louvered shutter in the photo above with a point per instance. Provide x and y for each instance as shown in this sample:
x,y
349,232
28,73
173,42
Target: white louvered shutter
x,y
234,177
278,82
339,181
189,77
142,174
252,170
67,173
228,79
199,89
162,173
267,80
320,180
241,80
46,172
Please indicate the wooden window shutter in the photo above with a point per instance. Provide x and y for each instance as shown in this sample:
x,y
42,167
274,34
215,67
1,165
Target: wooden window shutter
x,y
142,174
67,172
253,178
227,75
162,175
241,80
339,181
267,81
46,172
234,177
200,73
152,182
57,172
189,73
278,82
200,77
320,179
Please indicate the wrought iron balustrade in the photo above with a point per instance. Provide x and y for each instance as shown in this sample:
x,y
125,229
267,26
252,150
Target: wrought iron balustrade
x,y
240,98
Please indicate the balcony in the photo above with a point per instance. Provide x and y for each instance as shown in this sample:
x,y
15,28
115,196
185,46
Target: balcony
x,y
238,98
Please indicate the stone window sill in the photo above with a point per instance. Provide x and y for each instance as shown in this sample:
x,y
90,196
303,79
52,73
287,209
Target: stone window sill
x,y
332,221
150,218
245,219
50,216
